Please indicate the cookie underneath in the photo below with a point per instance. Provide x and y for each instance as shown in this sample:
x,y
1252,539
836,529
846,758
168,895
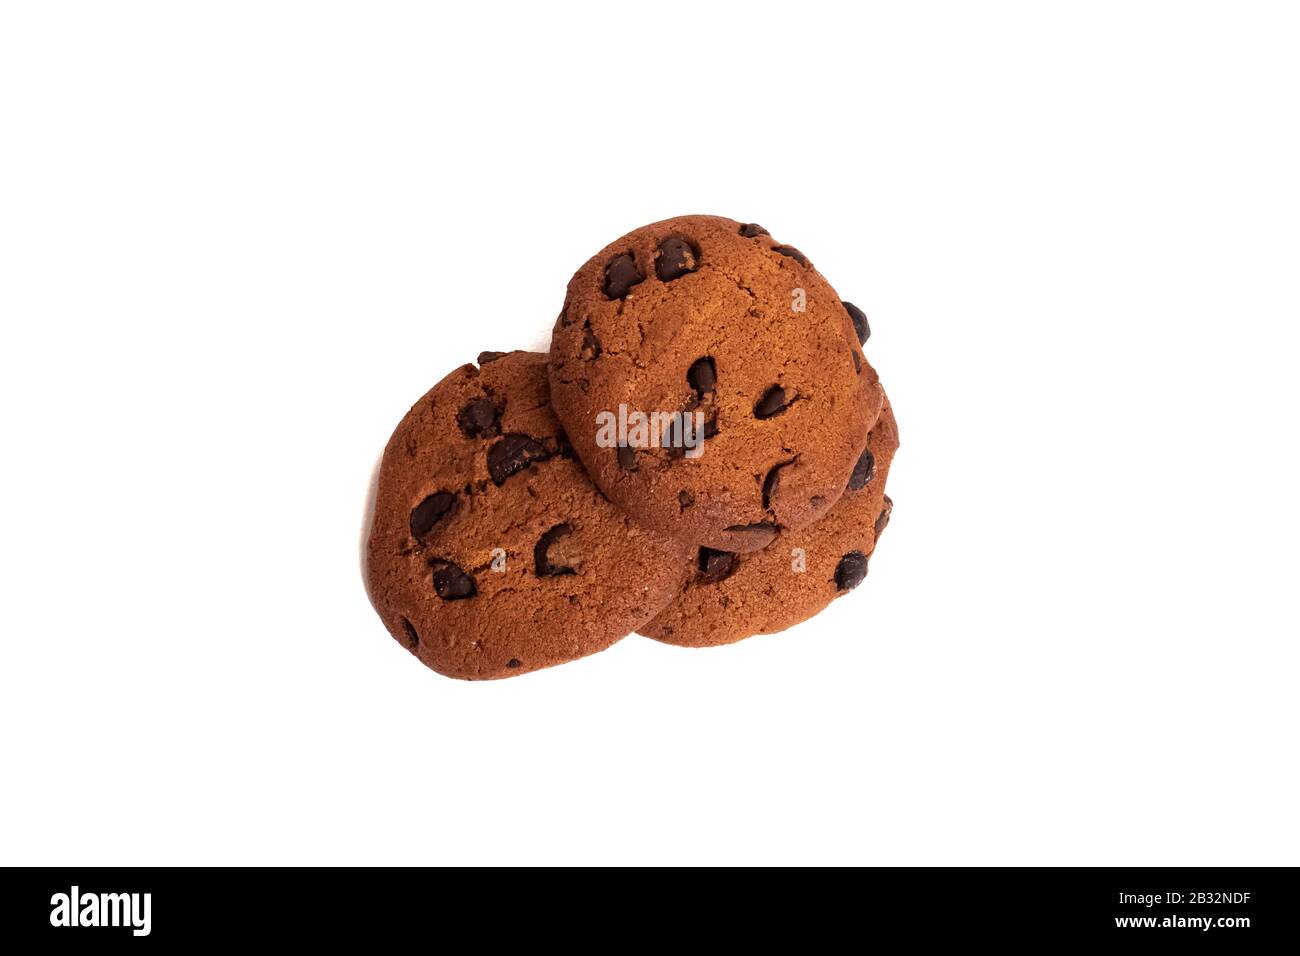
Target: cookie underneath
x,y
727,596
491,553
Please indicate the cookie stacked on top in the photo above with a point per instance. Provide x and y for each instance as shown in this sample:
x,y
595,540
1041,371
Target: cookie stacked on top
x,y
702,457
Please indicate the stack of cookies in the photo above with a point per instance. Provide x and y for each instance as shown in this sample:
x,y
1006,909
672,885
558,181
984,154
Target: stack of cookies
x,y
701,457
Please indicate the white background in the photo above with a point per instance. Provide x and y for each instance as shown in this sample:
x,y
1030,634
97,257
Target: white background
x,y
238,240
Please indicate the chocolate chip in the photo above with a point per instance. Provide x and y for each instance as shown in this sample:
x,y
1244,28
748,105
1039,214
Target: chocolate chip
x,y
541,563
793,253
563,447
715,565
882,522
670,439
479,418
514,453
430,511
451,583
513,663
684,500
857,362
675,258
860,324
771,403
850,571
485,357
763,531
863,471
702,376
620,275
752,230
627,458
770,483
711,425
590,344
412,638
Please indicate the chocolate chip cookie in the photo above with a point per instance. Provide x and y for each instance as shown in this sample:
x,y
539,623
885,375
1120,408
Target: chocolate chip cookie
x,y
731,596
491,553
712,382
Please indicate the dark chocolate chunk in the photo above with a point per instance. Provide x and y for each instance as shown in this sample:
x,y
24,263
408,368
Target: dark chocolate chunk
x,y
675,258
513,453
513,663
716,565
860,324
702,376
752,230
563,447
412,638
485,357
541,562
850,571
673,435
863,471
621,275
793,253
882,522
479,418
771,403
770,483
627,457
763,531
451,583
590,344
430,511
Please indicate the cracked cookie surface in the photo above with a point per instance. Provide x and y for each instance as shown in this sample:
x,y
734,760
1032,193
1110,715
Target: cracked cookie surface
x,y
491,553
712,318
728,596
